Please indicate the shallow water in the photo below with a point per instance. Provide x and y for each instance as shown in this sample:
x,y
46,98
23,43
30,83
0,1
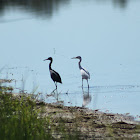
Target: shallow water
x,y
104,32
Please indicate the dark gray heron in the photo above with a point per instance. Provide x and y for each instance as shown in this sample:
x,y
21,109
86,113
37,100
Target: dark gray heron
x,y
54,75
84,73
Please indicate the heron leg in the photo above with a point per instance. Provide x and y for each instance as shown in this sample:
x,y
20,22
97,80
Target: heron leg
x,y
55,88
82,83
56,85
87,83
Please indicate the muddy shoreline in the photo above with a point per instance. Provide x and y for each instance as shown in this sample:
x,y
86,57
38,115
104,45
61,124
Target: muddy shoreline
x,y
91,124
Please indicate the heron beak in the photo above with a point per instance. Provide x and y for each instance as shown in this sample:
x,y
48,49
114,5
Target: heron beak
x,y
45,59
73,58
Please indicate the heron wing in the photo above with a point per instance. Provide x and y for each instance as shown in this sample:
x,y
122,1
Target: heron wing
x,y
86,72
55,76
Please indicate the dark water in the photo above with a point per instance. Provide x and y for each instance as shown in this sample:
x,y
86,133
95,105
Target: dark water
x,y
104,32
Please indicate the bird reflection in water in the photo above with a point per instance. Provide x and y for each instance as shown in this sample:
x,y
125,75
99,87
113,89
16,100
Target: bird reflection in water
x,y
86,98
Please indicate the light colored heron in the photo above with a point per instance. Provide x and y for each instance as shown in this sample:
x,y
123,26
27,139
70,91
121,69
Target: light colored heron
x,y
54,75
84,73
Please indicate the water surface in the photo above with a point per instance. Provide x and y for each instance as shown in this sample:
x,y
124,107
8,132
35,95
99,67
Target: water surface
x,y
104,32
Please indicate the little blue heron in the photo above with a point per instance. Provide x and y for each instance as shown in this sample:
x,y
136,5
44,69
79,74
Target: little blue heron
x,y
54,75
84,73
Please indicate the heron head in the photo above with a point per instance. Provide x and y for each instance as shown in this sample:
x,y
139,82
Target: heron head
x,y
78,57
50,58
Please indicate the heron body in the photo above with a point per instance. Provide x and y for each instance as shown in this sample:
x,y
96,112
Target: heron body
x,y
54,75
84,73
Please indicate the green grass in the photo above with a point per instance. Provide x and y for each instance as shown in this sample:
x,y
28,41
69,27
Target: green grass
x,y
19,118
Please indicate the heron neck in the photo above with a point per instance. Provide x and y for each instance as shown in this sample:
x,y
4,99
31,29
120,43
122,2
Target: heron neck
x,y
50,68
80,64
